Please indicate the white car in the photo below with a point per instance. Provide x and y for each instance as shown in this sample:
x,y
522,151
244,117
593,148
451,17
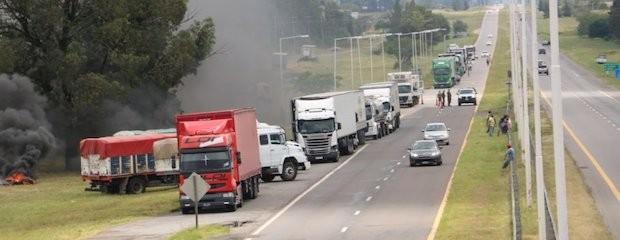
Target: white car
x,y
489,43
437,131
490,36
485,54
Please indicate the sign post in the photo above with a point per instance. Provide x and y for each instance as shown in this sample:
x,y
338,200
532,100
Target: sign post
x,y
195,187
609,67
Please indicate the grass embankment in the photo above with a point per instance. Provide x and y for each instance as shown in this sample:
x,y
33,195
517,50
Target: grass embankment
x,y
57,207
479,204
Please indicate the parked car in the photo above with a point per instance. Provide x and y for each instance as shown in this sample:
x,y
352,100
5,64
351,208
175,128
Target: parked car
x,y
542,68
437,131
425,152
546,42
601,59
490,36
467,95
485,54
489,43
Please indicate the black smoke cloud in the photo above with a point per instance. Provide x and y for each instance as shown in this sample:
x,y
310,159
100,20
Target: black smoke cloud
x,y
25,136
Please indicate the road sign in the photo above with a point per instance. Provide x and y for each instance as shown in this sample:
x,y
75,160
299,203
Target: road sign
x,y
611,66
617,73
195,187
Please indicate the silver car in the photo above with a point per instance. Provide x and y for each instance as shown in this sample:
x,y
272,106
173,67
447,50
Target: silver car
x,y
425,152
437,131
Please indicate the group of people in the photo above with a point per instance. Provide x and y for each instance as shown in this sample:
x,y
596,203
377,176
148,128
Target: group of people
x,y
505,124
441,98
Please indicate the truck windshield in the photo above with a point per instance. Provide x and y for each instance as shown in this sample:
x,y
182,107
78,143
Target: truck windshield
x,y
441,71
404,89
316,126
200,162
386,107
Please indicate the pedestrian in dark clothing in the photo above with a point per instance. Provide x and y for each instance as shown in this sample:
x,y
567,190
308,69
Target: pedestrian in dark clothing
x,y
449,97
509,156
443,98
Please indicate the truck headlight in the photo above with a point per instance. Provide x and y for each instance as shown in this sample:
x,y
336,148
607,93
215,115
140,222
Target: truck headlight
x,y
414,155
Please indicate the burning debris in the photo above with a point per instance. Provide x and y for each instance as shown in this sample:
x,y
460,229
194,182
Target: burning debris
x,y
25,137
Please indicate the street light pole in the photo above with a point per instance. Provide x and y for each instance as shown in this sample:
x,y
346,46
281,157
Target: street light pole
x,y
400,65
282,72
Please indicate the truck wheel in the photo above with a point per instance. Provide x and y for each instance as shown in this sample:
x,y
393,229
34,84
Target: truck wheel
x,y
361,137
350,146
289,171
136,185
267,177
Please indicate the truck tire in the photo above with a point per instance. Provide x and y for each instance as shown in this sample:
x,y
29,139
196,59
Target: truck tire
x,y
361,137
267,177
289,171
136,185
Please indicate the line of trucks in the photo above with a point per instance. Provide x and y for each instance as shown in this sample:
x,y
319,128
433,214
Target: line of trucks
x,y
232,151
449,67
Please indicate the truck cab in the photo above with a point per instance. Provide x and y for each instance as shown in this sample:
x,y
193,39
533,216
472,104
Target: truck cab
x,y
376,118
278,156
410,88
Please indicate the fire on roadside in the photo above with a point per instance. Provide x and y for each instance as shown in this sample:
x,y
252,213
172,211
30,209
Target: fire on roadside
x,y
19,178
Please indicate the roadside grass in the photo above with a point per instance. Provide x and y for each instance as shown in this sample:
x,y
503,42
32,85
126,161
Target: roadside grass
x,y
588,49
204,232
479,205
57,207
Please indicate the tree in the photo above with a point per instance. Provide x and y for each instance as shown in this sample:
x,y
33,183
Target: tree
x,y
85,54
566,10
614,19
543,6
459,26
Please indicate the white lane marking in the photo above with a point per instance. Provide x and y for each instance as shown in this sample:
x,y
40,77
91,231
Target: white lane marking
x,y
357,213
344,229
392,170
368,199
404,156
607,95
277,215
377,187
385,178
398,163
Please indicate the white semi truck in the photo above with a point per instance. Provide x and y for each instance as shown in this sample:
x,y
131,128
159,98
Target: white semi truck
x,y
279,157
388,92
329,124
377,128
410,87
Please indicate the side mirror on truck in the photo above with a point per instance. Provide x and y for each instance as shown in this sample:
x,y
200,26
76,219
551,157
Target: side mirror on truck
x,y
238,157
338,126
174,161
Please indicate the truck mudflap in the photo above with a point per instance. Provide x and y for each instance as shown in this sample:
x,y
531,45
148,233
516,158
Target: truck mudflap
x,y
304,165
209,201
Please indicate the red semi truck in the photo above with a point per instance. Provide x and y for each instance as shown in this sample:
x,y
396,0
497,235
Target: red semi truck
x,y
221,147
127,164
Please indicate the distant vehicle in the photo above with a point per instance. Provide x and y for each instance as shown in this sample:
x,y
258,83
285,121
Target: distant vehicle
x,y
490,36
546,43
485,54
601,59
453,46
542,51
437,131
467,95
542,68
425,152
489,43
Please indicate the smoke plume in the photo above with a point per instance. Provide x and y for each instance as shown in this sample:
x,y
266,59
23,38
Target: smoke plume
x,y
25,136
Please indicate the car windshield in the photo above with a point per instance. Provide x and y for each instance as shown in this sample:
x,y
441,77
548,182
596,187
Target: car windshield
x,y
466,91
435,127
424,145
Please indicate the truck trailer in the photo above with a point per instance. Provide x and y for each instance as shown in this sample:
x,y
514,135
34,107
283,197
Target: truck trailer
x,y
329,124
127,164
221,147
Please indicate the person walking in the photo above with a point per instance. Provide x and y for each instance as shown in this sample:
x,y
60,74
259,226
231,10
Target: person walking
x,y
449,98
443,99
438,101
490,125
509,156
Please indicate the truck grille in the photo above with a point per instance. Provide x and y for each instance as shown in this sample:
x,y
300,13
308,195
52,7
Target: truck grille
x,y
402,99
317,144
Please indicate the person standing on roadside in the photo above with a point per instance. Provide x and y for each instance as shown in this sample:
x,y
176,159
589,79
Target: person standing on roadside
x,y
449,97
490,125
443,98
509,156
438,101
